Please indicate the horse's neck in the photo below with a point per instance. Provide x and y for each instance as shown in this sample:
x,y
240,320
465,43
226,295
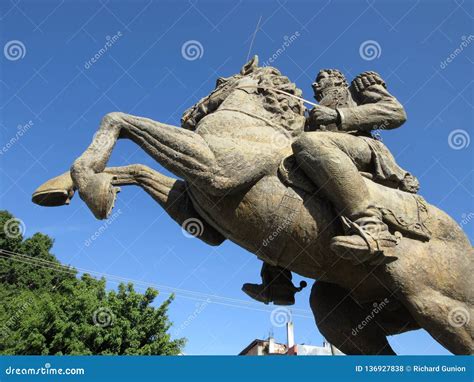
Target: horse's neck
x,y
246,101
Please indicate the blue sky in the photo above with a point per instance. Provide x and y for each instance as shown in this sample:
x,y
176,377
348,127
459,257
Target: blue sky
x,y
144,72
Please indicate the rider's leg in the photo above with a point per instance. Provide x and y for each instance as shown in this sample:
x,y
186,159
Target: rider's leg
x,y
333,162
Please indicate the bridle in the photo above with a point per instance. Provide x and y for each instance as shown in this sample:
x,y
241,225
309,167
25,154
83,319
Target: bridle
x,y
277,91
268,122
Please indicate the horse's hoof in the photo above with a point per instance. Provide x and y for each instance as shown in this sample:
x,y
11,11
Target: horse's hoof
x,y
99,194
55,192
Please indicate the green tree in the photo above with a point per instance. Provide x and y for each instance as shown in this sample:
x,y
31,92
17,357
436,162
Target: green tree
x,y
47,309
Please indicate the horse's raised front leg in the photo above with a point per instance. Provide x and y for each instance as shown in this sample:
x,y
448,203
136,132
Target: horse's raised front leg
x,y
170,193
182,152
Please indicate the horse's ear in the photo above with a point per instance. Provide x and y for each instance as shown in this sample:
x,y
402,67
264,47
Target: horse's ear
x,y
250,66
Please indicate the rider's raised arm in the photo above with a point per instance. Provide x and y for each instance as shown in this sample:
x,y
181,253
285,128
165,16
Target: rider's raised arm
x,y
377,108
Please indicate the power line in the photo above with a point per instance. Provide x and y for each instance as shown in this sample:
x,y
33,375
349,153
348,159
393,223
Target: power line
x,y
184,293
233,302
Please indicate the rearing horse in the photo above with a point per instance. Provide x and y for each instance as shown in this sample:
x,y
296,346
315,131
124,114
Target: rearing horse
x,y
228,153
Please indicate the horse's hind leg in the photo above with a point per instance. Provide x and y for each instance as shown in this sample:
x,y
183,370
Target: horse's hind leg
x,y
448,321
436,285
183,152
344,323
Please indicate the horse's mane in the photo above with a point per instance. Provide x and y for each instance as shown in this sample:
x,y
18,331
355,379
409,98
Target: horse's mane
x,y
286,111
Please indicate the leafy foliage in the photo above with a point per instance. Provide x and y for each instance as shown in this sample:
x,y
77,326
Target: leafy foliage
x,y
49,310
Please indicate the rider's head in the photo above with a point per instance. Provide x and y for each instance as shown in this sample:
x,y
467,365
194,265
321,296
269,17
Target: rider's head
x,y
327,78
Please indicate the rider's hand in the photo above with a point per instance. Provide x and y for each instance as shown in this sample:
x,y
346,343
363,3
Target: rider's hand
x,y
322,115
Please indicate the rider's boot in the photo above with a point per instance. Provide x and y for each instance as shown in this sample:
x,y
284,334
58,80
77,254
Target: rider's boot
x,y
278,295
276,286
367,237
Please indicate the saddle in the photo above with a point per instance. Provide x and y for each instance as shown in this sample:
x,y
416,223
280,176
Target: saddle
x,y
402,211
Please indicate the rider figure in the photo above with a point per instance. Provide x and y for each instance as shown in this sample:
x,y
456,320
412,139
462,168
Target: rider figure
x,y
335,150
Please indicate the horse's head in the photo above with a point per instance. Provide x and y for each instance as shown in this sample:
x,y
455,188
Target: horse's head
x,y
274,89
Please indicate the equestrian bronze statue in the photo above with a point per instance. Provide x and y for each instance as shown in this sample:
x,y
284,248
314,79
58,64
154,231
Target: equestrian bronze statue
x,y
312,192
